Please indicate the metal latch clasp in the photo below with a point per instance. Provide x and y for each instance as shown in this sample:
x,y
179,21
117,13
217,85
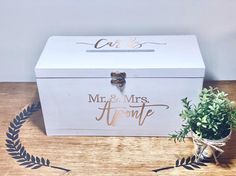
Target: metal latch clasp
x,y
118,79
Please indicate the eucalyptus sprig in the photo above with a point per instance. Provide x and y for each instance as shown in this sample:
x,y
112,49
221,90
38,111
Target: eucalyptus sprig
x,y
212,118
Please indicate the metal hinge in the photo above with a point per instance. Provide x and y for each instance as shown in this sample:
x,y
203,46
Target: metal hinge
x,y
118,79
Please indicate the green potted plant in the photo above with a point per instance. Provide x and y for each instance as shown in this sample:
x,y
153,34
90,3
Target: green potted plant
x,y
210,122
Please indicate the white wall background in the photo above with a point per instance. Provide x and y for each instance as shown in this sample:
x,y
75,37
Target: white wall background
x,y
25,26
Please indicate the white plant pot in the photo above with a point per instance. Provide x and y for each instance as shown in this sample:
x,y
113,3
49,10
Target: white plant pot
x,y
204,151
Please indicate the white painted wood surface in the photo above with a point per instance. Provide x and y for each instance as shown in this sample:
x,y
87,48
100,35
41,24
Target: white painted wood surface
x,y
169,56
78,99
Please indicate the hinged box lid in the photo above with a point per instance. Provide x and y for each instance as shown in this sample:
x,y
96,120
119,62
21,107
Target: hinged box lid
x,y
138,56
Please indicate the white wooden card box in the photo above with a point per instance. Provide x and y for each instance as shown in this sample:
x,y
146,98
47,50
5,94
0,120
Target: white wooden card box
x,y
150,76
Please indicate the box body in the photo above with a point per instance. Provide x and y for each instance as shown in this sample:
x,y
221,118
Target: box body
x,y
77,97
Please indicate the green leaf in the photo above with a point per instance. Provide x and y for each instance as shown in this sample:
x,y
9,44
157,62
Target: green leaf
x,y
204,119
199,123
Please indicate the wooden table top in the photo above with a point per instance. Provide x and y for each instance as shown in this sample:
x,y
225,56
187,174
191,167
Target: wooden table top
x,y
100,156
